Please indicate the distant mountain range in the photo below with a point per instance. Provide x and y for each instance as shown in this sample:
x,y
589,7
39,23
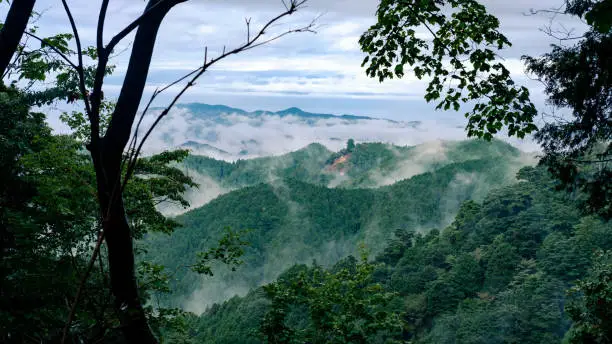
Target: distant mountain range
x,y
201,109
229,133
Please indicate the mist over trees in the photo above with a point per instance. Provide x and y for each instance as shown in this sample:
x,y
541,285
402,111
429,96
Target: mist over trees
x,y
534,256
576,76
498,273
114,147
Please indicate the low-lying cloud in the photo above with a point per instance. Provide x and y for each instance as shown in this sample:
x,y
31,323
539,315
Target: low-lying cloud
x,y
206,191
233,135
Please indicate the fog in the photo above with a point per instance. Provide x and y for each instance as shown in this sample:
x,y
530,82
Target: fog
x,y
229,136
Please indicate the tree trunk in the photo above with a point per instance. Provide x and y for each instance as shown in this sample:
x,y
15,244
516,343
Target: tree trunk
x,y
14,26
119,242
107,154
123,278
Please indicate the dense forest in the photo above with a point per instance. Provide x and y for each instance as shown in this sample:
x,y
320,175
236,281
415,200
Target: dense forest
x,y
374,243
361,165
499,273
293,221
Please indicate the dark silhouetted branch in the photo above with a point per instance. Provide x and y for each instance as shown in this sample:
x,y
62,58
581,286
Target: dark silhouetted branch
x,y
13,29
195,74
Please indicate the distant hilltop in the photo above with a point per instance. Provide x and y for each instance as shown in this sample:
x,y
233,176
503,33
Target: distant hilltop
x,y
229,133
216,110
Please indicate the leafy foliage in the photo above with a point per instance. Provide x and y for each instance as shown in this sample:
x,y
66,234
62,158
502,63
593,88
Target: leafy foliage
x,y
343,305
292,221
579,78
230,250
49,223
591,306
468,36
366,165
491,276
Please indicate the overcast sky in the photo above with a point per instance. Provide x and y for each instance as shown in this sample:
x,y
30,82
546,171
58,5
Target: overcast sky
x,y
317,72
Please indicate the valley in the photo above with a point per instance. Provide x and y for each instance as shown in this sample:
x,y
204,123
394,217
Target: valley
x,y
315,204
306,172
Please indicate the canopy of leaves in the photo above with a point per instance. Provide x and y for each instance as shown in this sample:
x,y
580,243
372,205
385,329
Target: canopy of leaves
x,y
49,223
342,305
578,79
292,221
366,165
464,33
591,304
497,274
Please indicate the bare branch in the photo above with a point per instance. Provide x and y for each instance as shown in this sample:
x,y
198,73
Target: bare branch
x,y
73,308
121,52
561,35
248,25
308,28
195,74
132,145
80,71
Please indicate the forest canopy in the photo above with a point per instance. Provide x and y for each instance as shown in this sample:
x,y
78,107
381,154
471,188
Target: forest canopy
x,y
86,255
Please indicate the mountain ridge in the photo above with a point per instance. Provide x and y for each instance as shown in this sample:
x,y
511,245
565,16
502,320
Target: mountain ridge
x,y
317,221
209,109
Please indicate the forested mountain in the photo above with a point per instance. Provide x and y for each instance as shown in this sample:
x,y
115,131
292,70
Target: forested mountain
x,y
363,242
497,274
360,165
292,221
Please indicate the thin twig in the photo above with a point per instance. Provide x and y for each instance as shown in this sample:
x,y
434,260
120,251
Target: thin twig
x,y
62,55
248,25
80,70
73,308
295,5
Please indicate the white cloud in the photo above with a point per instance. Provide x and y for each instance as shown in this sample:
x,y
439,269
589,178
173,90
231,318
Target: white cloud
x,y
243,136
332,55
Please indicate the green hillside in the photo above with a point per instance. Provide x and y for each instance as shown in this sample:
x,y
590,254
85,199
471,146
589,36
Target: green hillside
x,y
305,164
497,274
364,165
296,222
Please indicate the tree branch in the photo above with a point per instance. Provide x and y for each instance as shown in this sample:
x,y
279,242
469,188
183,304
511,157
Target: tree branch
x,y
13,29
57,51
80,69
135,79
96,94
253,43
133,25
73,307
100,29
